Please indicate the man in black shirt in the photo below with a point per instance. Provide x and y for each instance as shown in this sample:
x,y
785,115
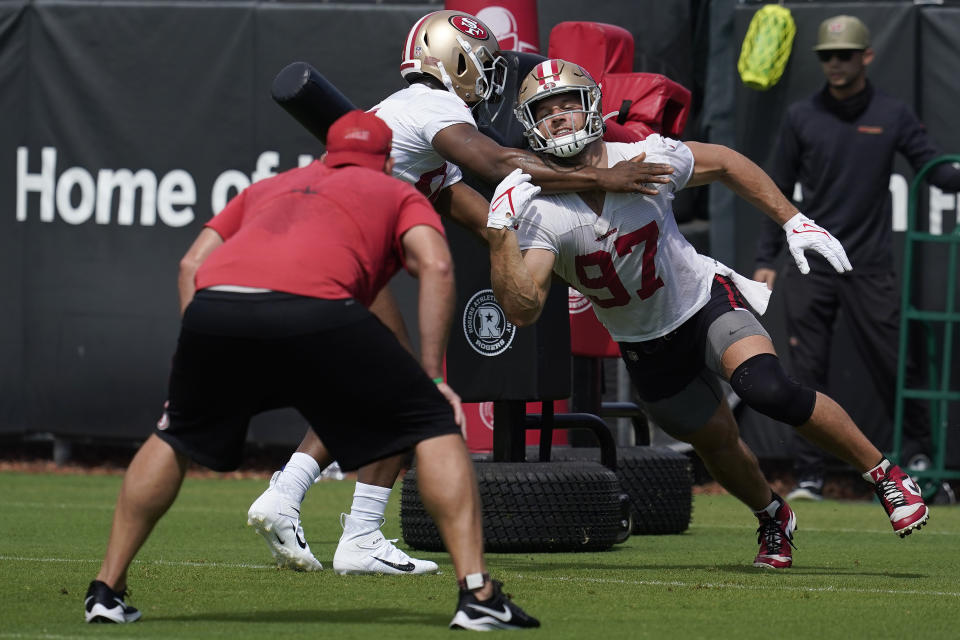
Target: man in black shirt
x,y
839,144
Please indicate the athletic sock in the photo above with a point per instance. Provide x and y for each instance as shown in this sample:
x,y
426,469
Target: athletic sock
x,y
872,475
297,476
369,505
770,509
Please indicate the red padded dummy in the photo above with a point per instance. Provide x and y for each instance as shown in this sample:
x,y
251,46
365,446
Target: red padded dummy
x,y
656,102
599,48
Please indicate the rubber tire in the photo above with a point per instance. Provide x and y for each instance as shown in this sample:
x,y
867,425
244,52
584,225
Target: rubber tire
x,y
658,480
529,507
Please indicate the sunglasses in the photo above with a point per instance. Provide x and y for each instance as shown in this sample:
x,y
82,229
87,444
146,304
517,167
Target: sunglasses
x,y
843,55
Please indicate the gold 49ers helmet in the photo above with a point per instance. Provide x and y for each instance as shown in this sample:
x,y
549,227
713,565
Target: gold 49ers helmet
x,y
458,50
550,78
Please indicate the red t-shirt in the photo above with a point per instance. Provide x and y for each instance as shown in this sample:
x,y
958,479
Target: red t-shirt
x,y
316,231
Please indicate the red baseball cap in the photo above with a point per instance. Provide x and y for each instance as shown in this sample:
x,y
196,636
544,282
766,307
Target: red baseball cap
x,y
358,138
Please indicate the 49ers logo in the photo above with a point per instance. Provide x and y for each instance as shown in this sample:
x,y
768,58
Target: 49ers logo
x,y
469,26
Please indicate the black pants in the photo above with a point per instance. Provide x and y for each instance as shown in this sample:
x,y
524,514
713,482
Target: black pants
x,y
871,303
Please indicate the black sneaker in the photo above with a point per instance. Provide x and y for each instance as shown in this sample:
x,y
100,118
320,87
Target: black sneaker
x,y
488,615
103,604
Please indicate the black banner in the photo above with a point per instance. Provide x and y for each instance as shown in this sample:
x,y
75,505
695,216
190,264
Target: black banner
x,y
126,126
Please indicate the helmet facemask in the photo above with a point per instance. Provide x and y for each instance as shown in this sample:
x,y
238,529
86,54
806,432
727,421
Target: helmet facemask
x,y
494,74
489,69
570,144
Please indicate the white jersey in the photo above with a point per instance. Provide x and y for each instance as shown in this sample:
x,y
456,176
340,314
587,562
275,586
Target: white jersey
x,y
642,276
415,115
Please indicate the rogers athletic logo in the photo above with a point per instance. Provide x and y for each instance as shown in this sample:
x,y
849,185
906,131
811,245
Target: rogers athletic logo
x,y
469,26
485,326
576,301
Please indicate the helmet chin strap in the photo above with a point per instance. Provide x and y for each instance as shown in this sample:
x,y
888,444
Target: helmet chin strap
x,y
445,78
483,93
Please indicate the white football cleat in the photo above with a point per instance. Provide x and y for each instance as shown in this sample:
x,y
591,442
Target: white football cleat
x,y
276,517
371,553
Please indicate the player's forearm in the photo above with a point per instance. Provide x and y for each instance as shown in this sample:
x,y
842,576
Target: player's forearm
x,y
515,290
497,162
435,310
477,153
553,178
751,183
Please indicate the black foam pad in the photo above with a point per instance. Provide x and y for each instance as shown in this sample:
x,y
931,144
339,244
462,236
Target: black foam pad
x,y
309,97
495,118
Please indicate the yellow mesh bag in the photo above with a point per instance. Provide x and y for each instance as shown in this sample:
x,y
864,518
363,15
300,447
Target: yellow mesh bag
x,y
766,47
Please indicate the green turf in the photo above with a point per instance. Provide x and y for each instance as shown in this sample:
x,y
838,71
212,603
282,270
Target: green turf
x,y
205,574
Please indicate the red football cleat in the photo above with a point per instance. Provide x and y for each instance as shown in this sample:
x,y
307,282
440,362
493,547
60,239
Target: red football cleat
x,y
775,535
900,496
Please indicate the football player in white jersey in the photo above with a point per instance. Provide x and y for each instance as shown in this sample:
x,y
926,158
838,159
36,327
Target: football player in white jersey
x,y
452,63
681,319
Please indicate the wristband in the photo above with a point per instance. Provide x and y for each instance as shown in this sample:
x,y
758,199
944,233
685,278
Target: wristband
x,y
438,381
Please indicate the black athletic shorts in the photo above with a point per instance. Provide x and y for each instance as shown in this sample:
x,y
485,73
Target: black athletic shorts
x,y
665,366
239,354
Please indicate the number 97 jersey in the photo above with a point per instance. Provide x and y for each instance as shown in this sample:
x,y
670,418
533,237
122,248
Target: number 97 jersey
x,y
642,276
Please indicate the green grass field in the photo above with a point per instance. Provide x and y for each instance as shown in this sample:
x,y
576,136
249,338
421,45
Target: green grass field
x,y
205,574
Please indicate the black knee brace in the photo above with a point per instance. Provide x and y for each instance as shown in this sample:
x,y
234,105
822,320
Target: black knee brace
x,y
762,383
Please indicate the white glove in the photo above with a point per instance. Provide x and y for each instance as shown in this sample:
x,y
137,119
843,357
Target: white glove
x,y
510,200
803,233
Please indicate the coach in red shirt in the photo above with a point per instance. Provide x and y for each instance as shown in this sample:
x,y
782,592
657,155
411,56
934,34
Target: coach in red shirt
x,y
277,317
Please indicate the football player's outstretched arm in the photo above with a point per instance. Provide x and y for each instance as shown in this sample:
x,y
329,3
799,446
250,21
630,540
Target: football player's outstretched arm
x,y
716,163
520,281
466,147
